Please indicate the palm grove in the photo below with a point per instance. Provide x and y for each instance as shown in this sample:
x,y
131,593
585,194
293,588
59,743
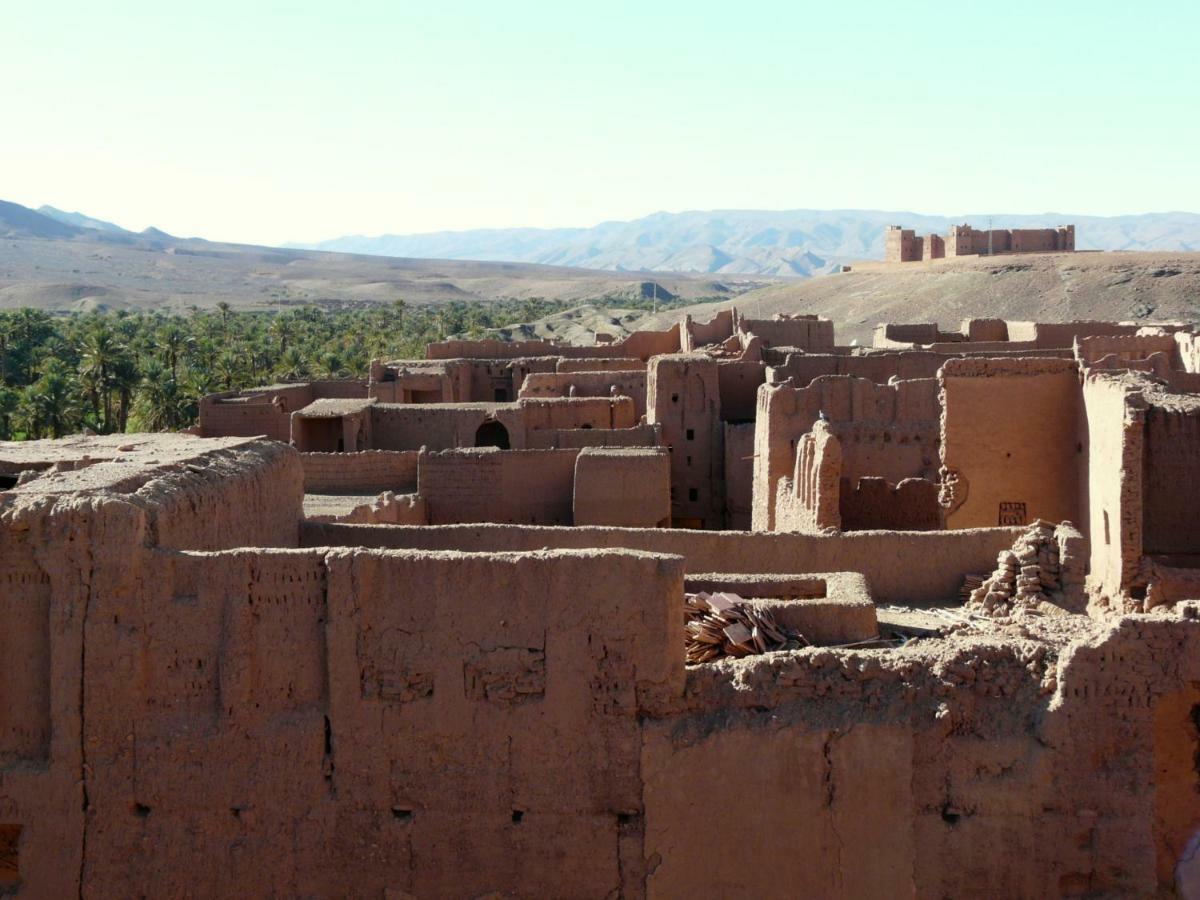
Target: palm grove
x,y
120,371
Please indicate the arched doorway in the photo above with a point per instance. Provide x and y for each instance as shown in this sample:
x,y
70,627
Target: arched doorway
x,y
492,434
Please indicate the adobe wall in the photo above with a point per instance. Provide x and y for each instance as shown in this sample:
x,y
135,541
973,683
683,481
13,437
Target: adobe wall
x,y
932,778
601,364
229,416
809,500
802,332
622,487
523,724
1055,335
500,382
640,345
683,398
339,389
439,427
1125,348
1011,441
558,413
694,335
530,487
886,558
371,470
880,367
1115,423
489,349
1171,478
588,384
892,333
565,438
911,505
888,430
899,244
408,381
739,475
737,384
472,719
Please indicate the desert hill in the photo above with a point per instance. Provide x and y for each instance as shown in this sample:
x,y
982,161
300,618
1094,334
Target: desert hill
x,y
1045,287
60,265
788,243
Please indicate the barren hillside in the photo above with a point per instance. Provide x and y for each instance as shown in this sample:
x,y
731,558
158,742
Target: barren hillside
x,y
1046,287
95,271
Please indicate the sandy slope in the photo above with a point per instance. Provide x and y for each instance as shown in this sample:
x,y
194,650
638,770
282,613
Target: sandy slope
x,y
1047,287
144,273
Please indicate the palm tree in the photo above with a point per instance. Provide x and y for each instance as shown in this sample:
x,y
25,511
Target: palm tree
x,y
51,404
172,340
292,366
99,353
158,404
8,406
228,369
223,308
125,378
331,365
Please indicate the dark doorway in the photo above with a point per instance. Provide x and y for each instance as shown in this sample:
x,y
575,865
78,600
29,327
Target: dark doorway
x,y
500,395
492,434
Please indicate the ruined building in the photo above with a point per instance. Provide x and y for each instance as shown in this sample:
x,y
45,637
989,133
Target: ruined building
x,y
920,619
905,245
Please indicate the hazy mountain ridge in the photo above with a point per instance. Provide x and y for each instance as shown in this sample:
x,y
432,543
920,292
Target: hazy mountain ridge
x,y
54,261
79,220
798,243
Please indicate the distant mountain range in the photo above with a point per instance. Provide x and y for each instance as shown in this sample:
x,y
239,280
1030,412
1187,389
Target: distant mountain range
x,y
55,224
60,261
797,243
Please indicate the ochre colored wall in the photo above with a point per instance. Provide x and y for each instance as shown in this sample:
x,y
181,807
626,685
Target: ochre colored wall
x,y
886,558
1171,481
371,470
1113,487
1011,433
529,487
622,487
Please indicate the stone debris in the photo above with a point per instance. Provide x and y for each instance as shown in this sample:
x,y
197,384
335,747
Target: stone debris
x,y
1026,576
723,624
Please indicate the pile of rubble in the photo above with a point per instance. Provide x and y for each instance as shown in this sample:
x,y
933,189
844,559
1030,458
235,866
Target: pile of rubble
x,y
724,624
1026,576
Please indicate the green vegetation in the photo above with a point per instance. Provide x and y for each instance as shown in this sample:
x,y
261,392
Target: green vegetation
x,y
147,371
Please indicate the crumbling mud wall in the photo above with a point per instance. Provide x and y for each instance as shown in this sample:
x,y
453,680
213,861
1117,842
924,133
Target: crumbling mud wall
x,y
1171,478
589,384
888,431
332,720
934,772
901,567
293,709
1115,422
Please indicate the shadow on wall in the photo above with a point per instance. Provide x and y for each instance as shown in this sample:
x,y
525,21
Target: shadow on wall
x,y
492,434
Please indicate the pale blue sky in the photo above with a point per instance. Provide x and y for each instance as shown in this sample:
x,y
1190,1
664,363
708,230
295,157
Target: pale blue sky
x,y
274,122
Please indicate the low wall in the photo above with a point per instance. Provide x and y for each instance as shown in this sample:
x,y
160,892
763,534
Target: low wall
x,y
488,485
588,384
369,471
913,567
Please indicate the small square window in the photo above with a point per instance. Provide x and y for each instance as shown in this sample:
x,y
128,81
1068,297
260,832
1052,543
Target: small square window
x,y
674,398
693,494
691,435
